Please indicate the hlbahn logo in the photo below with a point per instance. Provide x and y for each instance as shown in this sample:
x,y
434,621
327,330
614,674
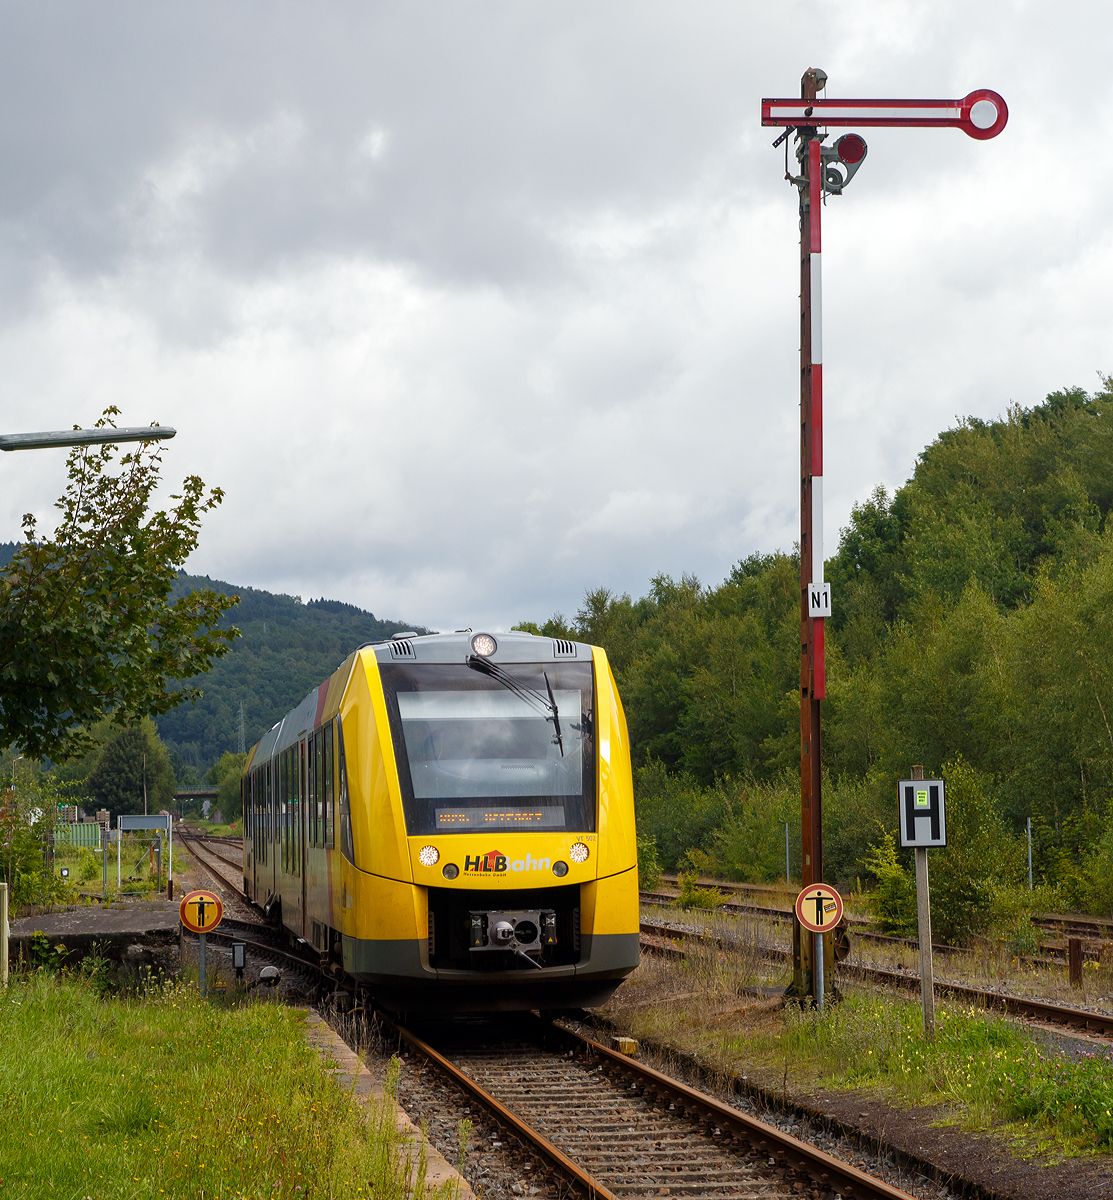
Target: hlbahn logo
x,y
494,862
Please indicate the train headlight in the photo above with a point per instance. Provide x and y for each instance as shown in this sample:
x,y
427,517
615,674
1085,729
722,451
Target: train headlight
x,y
578,853
428,856
450,870
484,645
560,868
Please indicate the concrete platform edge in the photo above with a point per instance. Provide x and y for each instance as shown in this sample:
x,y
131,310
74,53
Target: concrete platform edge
x,y
354,1075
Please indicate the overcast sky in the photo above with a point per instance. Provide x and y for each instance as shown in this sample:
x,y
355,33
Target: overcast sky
x,y
470,307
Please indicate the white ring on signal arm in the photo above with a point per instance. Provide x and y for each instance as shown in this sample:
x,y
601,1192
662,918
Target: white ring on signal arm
x,y
983,113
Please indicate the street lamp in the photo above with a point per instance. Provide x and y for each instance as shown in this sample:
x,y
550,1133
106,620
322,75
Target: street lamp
x,y
84,437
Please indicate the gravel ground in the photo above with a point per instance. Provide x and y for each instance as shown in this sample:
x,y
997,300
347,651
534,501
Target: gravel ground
x,y
494,1164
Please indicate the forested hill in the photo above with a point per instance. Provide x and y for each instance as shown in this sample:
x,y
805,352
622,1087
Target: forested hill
x,y
285,648
973,619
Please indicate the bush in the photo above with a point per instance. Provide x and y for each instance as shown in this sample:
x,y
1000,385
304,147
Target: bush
x,y
750,844
692,896
676,811
649,866
893,902
978,883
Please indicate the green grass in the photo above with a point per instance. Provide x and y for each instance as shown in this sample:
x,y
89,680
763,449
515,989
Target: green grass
x,y
228,829
984,1070
166,1096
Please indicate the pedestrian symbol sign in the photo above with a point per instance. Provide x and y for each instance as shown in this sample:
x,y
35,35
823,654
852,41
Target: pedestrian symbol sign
x,y
922,815
819,908
201,911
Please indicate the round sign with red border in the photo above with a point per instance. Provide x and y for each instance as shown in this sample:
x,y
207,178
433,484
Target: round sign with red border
x,y
201,911
819,908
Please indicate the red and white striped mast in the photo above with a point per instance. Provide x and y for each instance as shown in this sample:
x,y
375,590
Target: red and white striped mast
x,y
826,170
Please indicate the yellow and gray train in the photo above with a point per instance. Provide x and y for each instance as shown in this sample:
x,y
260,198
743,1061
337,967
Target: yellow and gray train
x,y
449,822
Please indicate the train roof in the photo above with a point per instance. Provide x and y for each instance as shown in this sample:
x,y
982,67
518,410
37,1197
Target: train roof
x,y
425,648
457,647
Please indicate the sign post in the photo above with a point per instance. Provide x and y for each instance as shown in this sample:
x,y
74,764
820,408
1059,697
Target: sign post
x,y
923,823
200,912
825,171
818,909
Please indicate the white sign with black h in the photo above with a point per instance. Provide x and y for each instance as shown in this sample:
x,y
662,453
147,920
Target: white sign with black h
x,y
922,815
819,600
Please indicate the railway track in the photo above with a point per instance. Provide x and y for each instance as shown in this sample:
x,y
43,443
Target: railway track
x,y
612,1127
1078,925
205,854
616,1128
1094,932
662,940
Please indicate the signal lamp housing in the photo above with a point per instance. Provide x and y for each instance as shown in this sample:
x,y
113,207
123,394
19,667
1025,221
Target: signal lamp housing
x,y
841,162
484,645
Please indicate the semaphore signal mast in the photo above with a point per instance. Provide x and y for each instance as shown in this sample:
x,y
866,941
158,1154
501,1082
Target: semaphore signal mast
x,y
825,171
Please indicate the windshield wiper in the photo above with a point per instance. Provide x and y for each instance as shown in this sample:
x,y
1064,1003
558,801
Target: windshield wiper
x,y
535,700
556,715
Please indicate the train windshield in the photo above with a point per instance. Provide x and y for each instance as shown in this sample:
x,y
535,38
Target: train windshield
x,y
513,749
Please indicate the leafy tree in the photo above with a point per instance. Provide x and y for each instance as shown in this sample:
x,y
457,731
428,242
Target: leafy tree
x,y
226,774
128,758
28,810
86,629
284,648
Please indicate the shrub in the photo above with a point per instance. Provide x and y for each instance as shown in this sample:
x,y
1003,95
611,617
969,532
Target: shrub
x,y
893,902
750,844
676,811
977,881
692,896
649,866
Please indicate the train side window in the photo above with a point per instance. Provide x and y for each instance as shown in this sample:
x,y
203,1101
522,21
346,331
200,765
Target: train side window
x,y
311,792
292,804
285,793
346,842
299,803
329,789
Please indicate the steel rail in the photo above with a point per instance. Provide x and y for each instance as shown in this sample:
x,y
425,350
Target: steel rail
x,y
784,914
1058,1014
1100,927
556,1158
790,1153
260,948
825,1169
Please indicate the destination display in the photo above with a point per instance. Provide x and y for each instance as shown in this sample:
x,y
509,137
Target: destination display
x,y
533,817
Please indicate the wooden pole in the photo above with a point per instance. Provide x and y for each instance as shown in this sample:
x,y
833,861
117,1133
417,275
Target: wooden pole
x,y
1074,957
923,928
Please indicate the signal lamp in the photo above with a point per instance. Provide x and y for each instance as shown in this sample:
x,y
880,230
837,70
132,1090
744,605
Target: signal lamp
x,y
484,645
578,853
450,870
851,148
560,869
428,856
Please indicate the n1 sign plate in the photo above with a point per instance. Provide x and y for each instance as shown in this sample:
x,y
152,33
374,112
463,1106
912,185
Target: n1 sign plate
x,y
819,908
922,812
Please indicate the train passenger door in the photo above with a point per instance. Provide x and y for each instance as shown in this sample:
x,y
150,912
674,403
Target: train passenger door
x,y
303,848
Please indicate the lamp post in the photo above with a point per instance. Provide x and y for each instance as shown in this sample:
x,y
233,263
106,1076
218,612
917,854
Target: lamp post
x,y
85,437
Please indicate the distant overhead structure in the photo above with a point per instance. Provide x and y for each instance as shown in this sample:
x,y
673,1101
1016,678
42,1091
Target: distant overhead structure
x,y
822,171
